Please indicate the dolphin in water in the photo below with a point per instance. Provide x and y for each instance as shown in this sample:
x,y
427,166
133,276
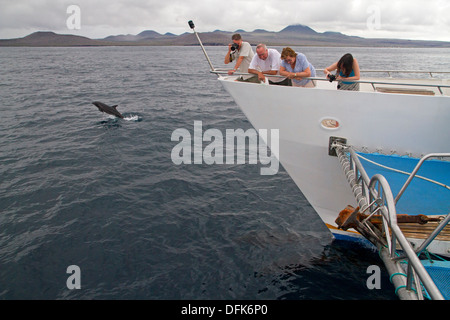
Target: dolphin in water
x,y
107,109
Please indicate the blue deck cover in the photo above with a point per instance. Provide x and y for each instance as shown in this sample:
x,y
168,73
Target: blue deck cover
x,y
421,197
439,271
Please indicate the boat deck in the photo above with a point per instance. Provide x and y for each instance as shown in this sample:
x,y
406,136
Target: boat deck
x,y
413,230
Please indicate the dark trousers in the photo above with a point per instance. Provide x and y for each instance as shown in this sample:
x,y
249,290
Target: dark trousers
x,y
254,79
285,82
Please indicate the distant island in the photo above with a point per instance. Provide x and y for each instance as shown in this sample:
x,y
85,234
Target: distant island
x,y
293,35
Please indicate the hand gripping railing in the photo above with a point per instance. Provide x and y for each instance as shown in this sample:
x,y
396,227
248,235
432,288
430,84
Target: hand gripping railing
x,y
375,196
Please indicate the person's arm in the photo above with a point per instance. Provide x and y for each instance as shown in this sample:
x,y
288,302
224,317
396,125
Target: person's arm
x,y
356,70
261,74
252,68
328,70
305,73
295,75
238,64
285,73
228,55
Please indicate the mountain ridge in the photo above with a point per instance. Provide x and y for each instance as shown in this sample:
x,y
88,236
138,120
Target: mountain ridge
x,y
292,35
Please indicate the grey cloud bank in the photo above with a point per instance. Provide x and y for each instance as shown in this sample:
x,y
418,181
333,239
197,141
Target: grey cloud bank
x,y
401,19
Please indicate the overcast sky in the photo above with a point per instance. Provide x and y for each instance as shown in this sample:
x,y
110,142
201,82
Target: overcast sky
x,y
404,19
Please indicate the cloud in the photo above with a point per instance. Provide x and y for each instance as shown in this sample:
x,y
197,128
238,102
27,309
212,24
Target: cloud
x,y
415,19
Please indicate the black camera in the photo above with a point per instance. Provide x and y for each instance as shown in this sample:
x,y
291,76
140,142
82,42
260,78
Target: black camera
x,y
331,77
234,47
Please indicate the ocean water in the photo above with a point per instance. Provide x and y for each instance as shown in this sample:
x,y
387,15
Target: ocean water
x,y
78,187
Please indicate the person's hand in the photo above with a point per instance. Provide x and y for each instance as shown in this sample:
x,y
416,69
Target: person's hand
x,y
261,77
230,72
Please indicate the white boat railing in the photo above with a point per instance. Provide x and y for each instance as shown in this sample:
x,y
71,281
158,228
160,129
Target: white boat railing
x,y
373,83
389,72
374,196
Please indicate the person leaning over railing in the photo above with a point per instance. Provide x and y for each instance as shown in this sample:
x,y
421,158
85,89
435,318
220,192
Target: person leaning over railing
x,y
347,69
266,62
296,66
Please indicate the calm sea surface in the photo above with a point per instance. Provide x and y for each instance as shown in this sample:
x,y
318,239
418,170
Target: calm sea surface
x,y
78,187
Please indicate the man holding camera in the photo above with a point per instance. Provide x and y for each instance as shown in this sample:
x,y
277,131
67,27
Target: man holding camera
x,y
241,52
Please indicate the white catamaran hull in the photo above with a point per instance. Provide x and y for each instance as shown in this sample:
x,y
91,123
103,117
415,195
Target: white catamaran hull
x,y
389,123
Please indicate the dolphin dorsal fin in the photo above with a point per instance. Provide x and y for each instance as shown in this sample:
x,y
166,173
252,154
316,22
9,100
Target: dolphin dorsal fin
x,y
115,107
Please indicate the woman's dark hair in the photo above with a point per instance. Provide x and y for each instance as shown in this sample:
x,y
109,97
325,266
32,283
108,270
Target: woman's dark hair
x,y
345,64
